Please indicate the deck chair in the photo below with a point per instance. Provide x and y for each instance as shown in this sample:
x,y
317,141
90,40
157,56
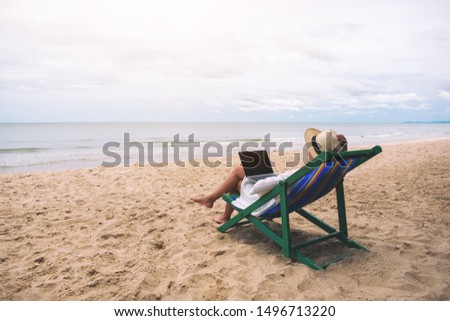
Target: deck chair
x,y
314,180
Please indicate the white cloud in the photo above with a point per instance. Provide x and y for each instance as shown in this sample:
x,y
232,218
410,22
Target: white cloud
x,y
274,105
444,94
395,98
371,103
194,56
267,108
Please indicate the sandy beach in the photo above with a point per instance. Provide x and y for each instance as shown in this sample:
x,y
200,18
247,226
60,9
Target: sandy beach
x,y
133,234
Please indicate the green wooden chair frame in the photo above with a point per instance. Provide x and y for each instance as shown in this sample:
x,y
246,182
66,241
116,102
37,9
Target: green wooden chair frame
x,y
291,250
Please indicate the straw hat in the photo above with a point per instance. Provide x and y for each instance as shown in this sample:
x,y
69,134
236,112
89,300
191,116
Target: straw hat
x,y
318,141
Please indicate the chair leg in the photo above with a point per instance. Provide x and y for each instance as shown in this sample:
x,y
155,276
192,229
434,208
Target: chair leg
x,y
341,209
307,261
343,219
285,227
232,222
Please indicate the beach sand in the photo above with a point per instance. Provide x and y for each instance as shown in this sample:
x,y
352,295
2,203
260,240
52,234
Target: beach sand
x,y
133,234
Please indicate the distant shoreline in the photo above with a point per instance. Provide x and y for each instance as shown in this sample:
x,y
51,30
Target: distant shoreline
x,y
427,122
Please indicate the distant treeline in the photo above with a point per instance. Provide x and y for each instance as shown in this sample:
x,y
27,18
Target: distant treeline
x,y
428,122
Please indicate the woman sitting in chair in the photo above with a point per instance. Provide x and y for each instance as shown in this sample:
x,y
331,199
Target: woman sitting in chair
x,y
316,141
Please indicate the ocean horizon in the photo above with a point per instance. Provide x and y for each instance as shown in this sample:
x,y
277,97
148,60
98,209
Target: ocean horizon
x,y
29,147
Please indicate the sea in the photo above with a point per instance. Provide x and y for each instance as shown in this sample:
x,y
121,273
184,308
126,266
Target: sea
x,y
29,147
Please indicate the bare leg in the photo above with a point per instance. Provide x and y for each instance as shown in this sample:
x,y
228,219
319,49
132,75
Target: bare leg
x,y
222,218
231,184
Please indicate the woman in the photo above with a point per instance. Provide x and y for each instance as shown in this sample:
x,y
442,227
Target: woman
x,y
316,141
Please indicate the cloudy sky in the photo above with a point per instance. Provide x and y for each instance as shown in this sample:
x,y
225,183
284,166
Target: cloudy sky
x,y
187,60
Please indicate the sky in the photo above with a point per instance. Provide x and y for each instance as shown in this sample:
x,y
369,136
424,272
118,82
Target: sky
x,y
191,60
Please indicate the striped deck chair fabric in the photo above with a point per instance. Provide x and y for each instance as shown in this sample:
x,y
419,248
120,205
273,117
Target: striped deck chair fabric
x,y
313,185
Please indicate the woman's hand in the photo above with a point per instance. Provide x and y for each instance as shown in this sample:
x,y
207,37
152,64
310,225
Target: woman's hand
x,y
343,142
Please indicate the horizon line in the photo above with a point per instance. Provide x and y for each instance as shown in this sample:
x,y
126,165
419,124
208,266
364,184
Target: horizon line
x,y
228,122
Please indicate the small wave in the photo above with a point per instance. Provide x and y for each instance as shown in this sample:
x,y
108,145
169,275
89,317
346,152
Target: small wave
x,y
250,139
40,163
159,141
156,141
22,150
82,147
385,135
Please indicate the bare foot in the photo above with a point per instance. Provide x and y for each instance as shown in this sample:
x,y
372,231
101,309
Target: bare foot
x,y
220,219
203,200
